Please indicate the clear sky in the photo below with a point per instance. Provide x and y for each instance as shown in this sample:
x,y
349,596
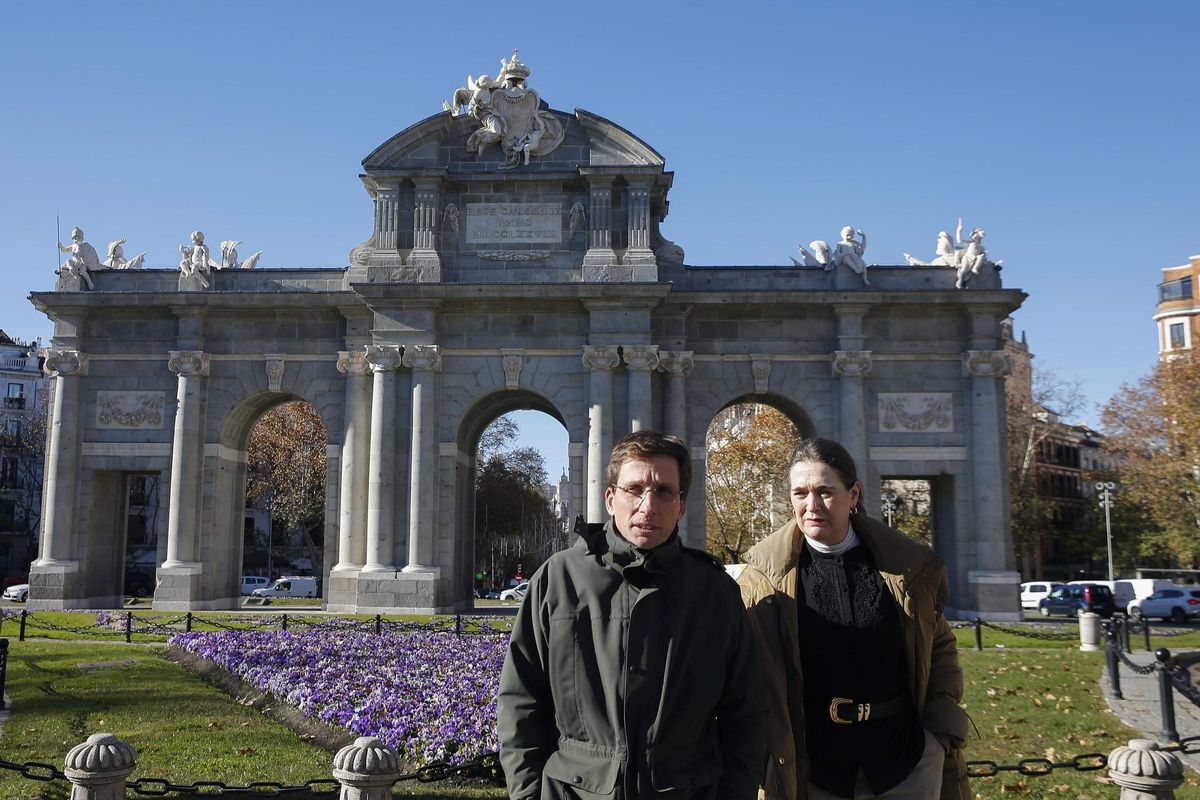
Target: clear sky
x,y
1067,130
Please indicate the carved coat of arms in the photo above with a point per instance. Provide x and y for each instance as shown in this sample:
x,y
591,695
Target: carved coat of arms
x,y
509,115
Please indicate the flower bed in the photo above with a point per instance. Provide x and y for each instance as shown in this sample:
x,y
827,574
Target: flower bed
x,y
430,696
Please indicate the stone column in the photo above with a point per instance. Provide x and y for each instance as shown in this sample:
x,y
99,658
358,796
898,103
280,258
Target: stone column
x,y
187,449
677,365
67,368
386,212
850,368
424,256
424,360
639,254
383,361
642,359
600,251
986,370
366,769
356,442
97,769
600,360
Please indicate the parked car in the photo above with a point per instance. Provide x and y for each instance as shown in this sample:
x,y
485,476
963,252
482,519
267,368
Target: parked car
x,y
252,582
289,586
1178,604
515,593
18,592
1033,591
1076,598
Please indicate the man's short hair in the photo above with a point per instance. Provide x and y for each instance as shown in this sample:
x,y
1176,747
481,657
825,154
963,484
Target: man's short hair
x,y
645,445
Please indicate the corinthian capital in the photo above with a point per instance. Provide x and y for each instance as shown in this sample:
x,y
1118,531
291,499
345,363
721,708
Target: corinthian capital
x,y
641,357
986,364
63,362
423,358
188,363
600,357
852,363
353,362
676,362
383,357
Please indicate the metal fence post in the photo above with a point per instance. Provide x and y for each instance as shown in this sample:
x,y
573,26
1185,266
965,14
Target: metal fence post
x,y
458,624
128,627
21,636
378,624
1166,696
3,668
283,622
978,634
1146,633
1125,633
187,625
1114,664
97,769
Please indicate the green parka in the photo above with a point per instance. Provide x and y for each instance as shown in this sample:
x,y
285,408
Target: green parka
x,y
916,577
631,675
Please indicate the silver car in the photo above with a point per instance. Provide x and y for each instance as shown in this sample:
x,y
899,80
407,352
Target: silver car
x,y
1178,604
18,592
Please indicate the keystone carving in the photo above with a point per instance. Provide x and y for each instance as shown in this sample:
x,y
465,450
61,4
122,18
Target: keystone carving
x,y
760,367
275,363
514,360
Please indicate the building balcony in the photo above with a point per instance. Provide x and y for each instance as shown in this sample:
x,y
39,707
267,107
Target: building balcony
x,y
14,402
1180,289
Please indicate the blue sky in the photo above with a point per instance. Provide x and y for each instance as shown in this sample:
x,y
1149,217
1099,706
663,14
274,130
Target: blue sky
x,y
1067,130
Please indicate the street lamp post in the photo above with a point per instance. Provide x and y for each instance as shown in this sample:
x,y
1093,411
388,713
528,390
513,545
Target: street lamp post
x,y
889,505
1105,488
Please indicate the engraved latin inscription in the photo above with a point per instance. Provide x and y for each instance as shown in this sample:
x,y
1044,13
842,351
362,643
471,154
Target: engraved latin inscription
x,y
513,223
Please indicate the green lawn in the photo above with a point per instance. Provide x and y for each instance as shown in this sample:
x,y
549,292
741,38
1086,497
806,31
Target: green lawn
x,y
1043,700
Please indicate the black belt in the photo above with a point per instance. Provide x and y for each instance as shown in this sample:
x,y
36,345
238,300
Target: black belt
x,y
844,711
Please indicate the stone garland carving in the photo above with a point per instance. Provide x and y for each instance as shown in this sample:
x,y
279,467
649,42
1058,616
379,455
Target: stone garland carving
x,y
61,362
353,362
848,252
600,357
509,115
138,410
917,412
967,260
423,357
275,365
641,357
116,257
514,361
852,363
677,362
514,255
986,364
760,367
188,363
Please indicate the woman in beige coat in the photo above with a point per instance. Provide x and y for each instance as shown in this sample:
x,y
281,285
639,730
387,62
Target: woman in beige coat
x,y
860,663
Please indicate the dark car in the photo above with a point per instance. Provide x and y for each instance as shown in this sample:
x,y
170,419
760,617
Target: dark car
x,y
1076,598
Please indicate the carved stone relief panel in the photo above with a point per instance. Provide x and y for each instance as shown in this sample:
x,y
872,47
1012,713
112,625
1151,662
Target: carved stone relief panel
x,y
916,412
130,410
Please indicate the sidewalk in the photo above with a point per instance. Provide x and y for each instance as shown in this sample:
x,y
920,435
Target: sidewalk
x,y
1141,709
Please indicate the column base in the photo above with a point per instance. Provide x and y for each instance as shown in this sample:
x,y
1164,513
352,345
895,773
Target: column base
x,y
54,586
178,587
994,595
642,263
399,593
424,266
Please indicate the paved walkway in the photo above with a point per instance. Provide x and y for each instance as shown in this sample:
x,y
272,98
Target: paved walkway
x,y
1141,709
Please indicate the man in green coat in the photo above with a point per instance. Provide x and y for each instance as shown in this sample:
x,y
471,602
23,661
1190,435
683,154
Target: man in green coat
x,y
632,670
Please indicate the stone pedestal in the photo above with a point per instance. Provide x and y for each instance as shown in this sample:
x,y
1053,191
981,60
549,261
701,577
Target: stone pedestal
x,y
1144,772
97,769
1089,632
994,596
366,769
53,586
401,593
179,588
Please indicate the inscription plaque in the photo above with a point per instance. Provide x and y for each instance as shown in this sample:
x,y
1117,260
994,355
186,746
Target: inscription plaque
x,y
513,223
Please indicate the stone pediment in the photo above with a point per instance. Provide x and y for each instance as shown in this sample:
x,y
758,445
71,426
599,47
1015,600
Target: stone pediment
x,y
439,142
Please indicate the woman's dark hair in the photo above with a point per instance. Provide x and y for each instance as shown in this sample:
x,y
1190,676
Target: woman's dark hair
x,y
832,455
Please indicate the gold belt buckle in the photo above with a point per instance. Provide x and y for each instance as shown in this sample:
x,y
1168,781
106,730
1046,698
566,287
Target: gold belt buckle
x,y
864,710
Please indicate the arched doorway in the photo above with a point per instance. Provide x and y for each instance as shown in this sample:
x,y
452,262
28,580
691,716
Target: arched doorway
x,y
747,447
273,513
516,490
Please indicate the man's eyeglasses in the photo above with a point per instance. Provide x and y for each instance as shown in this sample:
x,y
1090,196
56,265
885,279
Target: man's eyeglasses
x,y
661,494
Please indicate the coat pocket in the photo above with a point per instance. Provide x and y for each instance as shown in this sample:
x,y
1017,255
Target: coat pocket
x,y
686,772
579,771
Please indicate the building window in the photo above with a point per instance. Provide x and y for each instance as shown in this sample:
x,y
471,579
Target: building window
x,y
1178,335
8,472
1175,290
12,429
16,396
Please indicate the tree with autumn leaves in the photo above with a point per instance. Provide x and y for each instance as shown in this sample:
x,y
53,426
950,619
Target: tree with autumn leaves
x,y
1153,428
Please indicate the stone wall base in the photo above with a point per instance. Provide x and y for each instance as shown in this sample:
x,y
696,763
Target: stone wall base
x,y
389,593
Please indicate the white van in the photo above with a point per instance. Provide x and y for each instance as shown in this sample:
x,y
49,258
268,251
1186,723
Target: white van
x,y
252,582
1033,591
289,586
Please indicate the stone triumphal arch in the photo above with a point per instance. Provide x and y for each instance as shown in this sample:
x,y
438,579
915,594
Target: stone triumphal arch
x,y
516,260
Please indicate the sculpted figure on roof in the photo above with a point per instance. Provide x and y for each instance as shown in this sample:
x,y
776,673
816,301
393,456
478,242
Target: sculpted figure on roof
x,y
509,115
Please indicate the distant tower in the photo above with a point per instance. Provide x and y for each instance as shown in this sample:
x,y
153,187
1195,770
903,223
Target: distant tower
x,y
1177,309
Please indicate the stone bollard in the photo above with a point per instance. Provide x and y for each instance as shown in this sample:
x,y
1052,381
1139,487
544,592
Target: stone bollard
x,y
97,769
1089,632
366,769
1144,772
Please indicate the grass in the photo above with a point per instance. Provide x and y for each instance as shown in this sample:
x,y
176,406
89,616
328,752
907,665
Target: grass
x,y
1027,698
